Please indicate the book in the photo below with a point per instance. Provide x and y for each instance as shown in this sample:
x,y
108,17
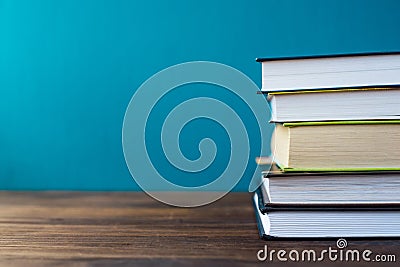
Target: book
x,y
335,169
330,190
332,105
326,223
330,71
337,146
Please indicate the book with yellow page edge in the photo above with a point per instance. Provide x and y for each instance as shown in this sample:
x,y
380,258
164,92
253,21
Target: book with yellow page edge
x,y
337,146
335,104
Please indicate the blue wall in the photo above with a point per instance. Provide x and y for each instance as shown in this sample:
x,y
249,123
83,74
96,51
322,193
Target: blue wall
x,y
69,68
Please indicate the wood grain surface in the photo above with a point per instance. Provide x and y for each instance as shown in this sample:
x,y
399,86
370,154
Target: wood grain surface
x,y
127,228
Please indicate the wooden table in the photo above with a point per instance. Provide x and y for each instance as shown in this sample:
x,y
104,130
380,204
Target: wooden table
x,y
126,228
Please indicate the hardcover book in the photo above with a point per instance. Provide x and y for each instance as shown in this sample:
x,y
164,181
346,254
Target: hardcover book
x,y
330,190
331,71
337,146
303,224
334,105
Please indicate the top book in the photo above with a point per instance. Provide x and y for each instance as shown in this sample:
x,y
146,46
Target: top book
x,y
331,71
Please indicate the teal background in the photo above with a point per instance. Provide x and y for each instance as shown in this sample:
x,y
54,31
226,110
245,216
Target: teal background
x,y
69,68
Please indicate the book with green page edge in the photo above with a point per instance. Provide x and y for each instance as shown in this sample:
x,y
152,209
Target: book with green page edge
x,y
337,146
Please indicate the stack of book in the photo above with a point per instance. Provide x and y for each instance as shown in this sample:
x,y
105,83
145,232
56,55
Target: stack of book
x,y
336,147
